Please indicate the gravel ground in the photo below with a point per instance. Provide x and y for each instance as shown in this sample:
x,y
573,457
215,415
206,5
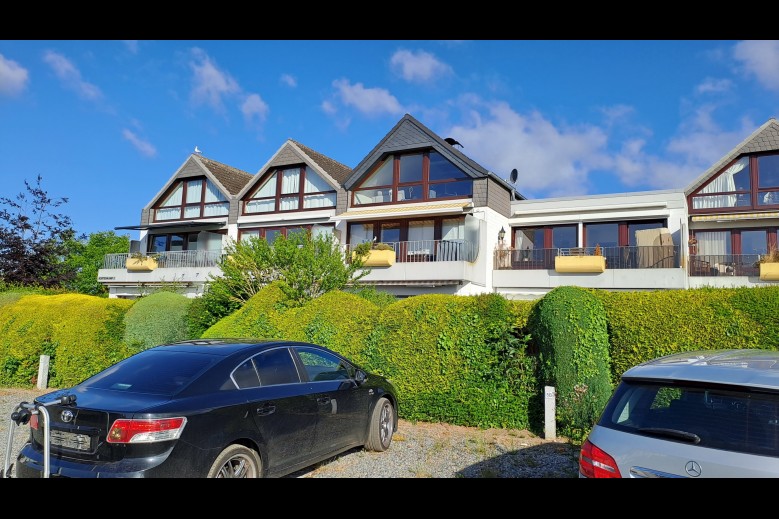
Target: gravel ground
x,y
418,450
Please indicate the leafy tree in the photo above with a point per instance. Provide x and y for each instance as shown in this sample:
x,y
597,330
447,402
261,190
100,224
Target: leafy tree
x,y
33,238
305,266
86,256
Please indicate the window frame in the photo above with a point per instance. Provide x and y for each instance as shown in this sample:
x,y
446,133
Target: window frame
x,y
301,193
425,184
184,182
756,192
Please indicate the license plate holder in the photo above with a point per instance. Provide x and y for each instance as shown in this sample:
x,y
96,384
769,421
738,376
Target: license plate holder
x,y
68,440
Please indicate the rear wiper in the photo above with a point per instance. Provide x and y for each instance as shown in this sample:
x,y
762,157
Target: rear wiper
x,y
672,433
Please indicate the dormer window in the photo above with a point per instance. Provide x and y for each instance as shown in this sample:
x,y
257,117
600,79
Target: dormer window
x,y
290,189
192,198
413,177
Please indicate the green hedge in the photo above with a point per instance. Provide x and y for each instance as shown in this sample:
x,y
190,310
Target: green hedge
x,y
156,319
569,327
81,334
647,325
258,318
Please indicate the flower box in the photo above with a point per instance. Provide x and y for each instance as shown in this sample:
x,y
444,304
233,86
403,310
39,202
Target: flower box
x,y
145,264
580,264
769,272
379,258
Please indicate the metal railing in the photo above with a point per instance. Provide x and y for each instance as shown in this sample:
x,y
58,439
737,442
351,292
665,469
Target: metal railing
x,y
177,259
419,251
632,257
724,265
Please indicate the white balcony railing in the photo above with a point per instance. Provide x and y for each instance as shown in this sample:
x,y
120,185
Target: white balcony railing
x,y
178,259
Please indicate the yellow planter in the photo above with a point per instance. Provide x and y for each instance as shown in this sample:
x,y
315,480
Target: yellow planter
x,y
379,258
141,264
769,272
579,264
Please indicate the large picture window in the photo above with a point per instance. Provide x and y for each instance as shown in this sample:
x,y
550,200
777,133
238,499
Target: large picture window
x,y
290,189
192,198
751,182
413,177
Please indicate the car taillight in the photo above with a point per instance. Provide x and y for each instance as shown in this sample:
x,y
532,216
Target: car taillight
x,y
594,463
34,421
146,431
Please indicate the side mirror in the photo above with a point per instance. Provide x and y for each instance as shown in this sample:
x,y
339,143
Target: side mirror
x,y
360,377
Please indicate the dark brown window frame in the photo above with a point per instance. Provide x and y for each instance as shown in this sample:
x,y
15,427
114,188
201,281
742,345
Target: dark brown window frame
x,y
150,237
438,221
396,184
202,204
754,190
277,197
772,236
283,228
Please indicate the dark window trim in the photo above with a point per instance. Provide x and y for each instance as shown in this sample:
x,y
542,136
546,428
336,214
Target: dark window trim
x,y
735,235
301,194
754,192
425,181
438,222
202,204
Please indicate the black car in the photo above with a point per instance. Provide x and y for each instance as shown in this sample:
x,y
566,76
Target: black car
x,y
212,409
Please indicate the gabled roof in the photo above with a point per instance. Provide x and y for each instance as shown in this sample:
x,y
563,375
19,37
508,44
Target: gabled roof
x,y
293,152
335,169
410,134
231,178
765,138
228,179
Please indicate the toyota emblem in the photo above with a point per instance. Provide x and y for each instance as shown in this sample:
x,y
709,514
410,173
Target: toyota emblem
x,y
66,416
693,469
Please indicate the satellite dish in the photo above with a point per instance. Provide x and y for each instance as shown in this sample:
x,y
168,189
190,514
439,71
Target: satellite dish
x,y
513,176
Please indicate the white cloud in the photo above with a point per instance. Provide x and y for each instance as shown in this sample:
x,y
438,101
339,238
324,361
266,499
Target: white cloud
x,y
254,107
419,67
551,161
144,147
713,85
13,77
132,46
289,80
617,113
70,76
210,84
761,59
369,101
329,108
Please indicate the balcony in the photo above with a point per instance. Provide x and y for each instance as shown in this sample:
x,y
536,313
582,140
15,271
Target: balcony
x,y
714,265
178,259
426,262
531,272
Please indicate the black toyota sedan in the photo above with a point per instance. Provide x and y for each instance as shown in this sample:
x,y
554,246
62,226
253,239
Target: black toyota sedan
x,y
211,409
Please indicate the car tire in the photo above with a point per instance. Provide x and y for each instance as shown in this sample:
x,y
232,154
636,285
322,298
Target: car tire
x,y
236,461
381,427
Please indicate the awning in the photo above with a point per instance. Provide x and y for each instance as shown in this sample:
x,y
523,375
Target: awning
x,y
216,224
403,210
735,216
425,283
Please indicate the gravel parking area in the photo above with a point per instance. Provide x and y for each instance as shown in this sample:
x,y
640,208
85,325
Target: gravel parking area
x,y
418,450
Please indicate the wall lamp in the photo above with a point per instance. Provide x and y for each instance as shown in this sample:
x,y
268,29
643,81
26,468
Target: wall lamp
x,y
501,233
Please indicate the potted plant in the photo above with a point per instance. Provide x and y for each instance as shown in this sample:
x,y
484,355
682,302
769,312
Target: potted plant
x,y
138,262
579,262
769,265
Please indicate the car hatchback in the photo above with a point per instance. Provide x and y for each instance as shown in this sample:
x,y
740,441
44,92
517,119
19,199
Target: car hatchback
x,y
702,414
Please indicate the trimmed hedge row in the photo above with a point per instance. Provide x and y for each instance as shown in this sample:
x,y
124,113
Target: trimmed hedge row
x,y
647,325
155,319
81,334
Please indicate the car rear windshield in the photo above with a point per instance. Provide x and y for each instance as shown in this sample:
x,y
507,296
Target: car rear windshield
x,y
719,418
153,372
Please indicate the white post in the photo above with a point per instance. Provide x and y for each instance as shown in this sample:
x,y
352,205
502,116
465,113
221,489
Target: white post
x,y
43,372
550,428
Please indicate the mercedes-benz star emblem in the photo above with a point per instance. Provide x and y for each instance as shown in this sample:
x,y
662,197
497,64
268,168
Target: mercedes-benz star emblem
x,y
67,416
693,469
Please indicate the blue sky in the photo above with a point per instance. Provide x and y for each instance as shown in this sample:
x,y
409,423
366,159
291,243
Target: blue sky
x,y
106,123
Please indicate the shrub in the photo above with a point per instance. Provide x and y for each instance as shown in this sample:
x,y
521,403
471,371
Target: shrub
x,y
569,327
156,319
257,318
81,334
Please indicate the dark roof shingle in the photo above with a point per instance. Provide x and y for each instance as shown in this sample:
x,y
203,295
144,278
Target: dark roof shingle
x,y
233,179
332,167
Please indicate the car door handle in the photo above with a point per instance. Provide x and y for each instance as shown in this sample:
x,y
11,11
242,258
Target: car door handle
x,y
323,400
266,410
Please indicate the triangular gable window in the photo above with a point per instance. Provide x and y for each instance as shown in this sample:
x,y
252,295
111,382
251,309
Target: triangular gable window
x,y
192,198
290,189
413,177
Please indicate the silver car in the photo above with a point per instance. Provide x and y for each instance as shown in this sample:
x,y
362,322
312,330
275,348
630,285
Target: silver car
x,y
702,414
